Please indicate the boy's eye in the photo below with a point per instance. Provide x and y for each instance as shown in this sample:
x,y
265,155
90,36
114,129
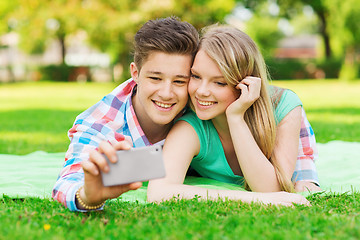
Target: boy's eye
x,y
180,81
154,78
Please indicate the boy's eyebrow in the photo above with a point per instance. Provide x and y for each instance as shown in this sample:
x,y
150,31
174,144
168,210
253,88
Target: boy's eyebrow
x,y
160,73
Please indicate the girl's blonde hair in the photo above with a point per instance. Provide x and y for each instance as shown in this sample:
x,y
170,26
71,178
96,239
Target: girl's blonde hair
x,y
237,56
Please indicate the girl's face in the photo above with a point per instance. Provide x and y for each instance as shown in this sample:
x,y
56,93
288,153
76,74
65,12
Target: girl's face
x,y
209,92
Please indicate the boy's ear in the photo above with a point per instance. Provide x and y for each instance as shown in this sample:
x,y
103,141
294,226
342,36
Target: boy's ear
x,y
134,72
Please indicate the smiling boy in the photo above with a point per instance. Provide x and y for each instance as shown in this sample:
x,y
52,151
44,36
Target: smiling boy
x,y
142,108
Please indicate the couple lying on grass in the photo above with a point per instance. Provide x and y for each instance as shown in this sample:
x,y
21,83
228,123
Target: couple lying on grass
x,y
234,128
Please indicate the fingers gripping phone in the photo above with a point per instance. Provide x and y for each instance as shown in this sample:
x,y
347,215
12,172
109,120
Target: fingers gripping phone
x,y
135,165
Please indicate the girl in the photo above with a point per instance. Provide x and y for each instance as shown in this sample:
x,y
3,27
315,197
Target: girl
x,y
233,137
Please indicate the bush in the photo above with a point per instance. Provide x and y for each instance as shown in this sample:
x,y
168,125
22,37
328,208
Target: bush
x,y
64,72
281,69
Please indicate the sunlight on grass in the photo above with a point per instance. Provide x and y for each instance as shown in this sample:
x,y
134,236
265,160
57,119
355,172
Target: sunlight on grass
x,y
25,142
332,107
50,95
324,93
334,118
33,137
37,116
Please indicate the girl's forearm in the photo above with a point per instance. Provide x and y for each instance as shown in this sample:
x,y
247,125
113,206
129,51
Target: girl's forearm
x,y
163,191
257,169
160,191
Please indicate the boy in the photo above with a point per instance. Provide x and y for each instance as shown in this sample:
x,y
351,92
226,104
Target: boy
x,y
142,108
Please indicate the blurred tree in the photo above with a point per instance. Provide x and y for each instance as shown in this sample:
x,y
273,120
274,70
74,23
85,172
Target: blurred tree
x,y
6,23
113,32
345,27
339,26
38,21
291,8
263,28
109,25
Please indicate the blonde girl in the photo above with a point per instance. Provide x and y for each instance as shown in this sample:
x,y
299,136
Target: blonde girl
x,y
232,136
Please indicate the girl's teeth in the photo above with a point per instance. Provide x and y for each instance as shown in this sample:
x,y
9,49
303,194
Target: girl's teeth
x,y
205,103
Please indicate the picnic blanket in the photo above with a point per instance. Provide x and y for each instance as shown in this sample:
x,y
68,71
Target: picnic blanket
x,y
34,175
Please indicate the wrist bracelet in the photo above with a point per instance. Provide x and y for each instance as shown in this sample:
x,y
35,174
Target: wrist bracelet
x,y
84,205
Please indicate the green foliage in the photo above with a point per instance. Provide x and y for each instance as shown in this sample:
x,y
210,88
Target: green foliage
x,y
349,70
6,7
202,13
330,216
303,69
339,26
346,30
109,25
55,72
264,31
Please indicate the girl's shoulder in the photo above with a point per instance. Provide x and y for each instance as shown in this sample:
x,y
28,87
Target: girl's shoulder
x,y
284,100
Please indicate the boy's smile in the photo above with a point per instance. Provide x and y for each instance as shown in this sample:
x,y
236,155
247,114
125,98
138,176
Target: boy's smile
x,y
161,88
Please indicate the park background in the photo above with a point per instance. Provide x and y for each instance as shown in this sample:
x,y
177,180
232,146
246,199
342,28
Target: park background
x,y
59,57
91,40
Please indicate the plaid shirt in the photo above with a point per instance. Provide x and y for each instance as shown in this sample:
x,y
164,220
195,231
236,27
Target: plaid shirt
x,y
305,168
113,117
108,120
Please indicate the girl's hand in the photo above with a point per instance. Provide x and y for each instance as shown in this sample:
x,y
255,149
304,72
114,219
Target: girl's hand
x,y
281,198
249,92
305,186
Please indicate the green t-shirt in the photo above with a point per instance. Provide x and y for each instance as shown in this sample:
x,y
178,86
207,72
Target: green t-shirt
x,y
211,161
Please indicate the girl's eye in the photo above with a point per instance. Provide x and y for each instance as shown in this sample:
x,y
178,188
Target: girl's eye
x,y
221,83
195,76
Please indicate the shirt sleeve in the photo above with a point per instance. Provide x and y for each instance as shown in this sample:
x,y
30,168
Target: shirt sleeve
x,y
288,101
100,122
305,168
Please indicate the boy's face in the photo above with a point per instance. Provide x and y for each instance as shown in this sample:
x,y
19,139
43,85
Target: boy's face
x,y
161,87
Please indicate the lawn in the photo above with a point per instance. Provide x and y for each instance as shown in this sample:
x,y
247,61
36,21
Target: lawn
x,y
36,116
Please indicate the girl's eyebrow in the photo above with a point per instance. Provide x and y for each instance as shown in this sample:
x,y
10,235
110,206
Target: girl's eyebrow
x,y
216,77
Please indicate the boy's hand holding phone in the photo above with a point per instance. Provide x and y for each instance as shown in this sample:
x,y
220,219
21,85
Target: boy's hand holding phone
x,y
94,192
135,164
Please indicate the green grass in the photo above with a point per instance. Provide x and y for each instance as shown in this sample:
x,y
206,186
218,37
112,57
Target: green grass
x,y
332,107
36,116
330,217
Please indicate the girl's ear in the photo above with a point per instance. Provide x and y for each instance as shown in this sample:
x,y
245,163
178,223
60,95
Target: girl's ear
x,y
134,72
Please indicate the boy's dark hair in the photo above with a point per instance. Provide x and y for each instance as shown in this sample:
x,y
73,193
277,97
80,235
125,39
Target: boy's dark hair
x,y
168,35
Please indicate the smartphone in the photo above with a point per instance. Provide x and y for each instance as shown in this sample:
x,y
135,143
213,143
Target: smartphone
x,y
135,165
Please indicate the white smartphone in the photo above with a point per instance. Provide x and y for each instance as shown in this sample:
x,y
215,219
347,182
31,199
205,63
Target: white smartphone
x,y
135,165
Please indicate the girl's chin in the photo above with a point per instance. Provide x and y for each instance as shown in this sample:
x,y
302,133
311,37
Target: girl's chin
x,y
203,116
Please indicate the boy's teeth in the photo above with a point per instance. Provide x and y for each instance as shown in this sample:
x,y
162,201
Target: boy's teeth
x,y
163,105
205,103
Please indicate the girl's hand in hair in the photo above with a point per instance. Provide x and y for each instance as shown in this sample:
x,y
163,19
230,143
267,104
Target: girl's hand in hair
x,y
249,92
